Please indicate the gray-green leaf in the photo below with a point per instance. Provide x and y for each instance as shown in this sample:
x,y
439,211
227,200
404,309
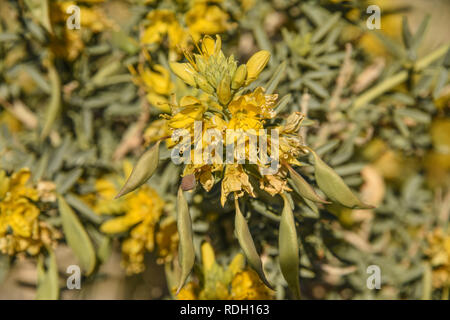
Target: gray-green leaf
x,y
77,237
47,282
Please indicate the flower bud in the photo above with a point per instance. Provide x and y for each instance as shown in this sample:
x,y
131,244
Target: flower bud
x,y
203,84
239,77
256,64
184,71
224,90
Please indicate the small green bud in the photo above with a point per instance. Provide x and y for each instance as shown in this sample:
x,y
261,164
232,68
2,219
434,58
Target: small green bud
x,y
184,71
224,90
256,64
239,77
203,84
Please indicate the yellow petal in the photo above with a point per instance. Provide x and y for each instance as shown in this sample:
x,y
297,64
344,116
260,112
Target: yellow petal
x,y
184,71
208,258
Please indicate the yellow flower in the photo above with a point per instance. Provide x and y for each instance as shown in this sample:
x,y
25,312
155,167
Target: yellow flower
x,y
204,19
10,121
235,180
103,201
143,209
438,252
20,227
220,78
164,23
189,292
167,240
155,81
190,110
275,184
250,110
247,286
69,43
231,283
156,130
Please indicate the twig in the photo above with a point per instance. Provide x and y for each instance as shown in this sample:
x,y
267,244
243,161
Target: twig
x,y
133,138
304,103
19,110
369,75
344,76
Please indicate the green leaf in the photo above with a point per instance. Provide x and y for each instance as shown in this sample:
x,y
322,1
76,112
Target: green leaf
x,y
282,103
288,248
54,106
427,283
143,170
47,282
420,33
406,33
77,237
248,246
83,208
303,188
40,9
276,78
334,187
186,244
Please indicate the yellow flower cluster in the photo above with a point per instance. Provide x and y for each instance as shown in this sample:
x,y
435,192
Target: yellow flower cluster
x,y
139,215
202,18
438,252
21,230
223,108
68,43
155,80
232,283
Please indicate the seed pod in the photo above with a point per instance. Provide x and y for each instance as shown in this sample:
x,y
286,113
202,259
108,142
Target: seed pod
x,y
256,64
334,187
203,84
303,188
186,244
288,248
224,90
184,71
239,77
142,171
247,244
